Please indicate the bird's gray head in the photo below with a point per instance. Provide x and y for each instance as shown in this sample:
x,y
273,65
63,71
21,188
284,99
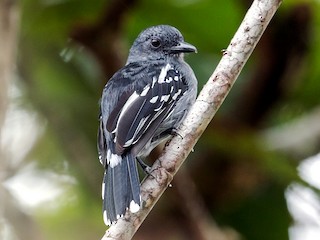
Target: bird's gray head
x,y
159,42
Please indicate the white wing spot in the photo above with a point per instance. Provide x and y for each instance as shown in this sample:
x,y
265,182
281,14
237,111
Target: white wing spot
x,y
174,97
145,91
163,73
165,98
176,78
154,99
159,108
154,80
129,142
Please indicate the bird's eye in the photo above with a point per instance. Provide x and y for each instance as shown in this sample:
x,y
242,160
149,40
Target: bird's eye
x,y
155,43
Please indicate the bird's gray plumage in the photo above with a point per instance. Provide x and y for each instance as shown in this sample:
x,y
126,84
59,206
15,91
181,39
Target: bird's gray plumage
x,y
140,107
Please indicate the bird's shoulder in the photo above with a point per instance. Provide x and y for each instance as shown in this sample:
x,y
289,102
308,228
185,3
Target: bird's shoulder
x,y
137,75
143,82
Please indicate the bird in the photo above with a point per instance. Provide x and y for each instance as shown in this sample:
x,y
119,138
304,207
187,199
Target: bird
x,y
141,106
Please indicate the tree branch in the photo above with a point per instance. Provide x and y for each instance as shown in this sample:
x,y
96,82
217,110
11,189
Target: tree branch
x,y
205,107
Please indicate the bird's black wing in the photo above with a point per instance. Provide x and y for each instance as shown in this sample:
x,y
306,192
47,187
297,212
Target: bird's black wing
x,y
142,108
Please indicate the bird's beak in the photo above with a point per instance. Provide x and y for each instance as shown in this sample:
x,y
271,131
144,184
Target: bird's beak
x,y
183,47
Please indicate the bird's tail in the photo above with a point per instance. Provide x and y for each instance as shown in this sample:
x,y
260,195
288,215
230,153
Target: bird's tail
x,y
120,189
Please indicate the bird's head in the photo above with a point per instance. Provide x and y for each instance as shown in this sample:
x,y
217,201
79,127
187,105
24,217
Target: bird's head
x,y
159,42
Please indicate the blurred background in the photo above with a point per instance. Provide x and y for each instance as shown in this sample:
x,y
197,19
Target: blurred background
x,y
255,172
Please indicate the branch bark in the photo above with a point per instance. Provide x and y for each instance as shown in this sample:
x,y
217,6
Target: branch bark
x,y
208,102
